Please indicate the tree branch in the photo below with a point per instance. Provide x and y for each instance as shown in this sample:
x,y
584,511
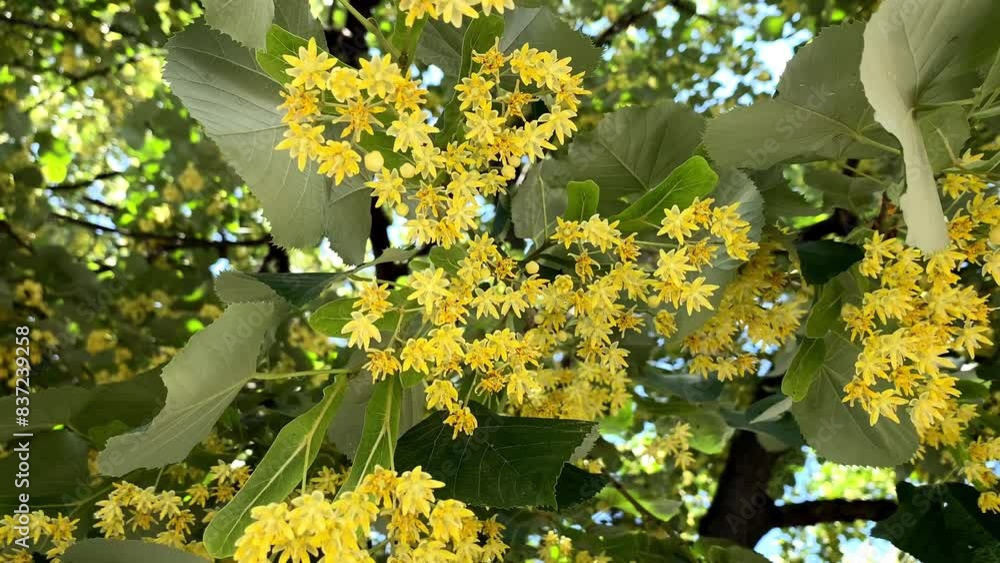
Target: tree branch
x,y
834,510
77,184
174,241
9,229
348,44
742,511
76,79
39,25
647,516
632,17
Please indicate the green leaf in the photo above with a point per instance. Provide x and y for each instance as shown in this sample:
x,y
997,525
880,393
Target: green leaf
x,y
284,466
945,131
349,420
822,260
246,21
949,510
448,259
782,203
49,407
58,469
907,46
659,506
537,202
991,83
330,318
577,485
708,425
582,200
545,31
841,433
114,407
89,410
693,388
126,551
348,424
279,43
857,193
222,86
769,409
620,545
507,462
733,554
297,290
770,420
631,151
201,381
381,430
406,38
694,178
825,312
441,45
771,27
296,16
819,112
805,365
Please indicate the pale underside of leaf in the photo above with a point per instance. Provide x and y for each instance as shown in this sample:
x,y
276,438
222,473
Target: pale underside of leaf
x,y
246,21
906,46
223,87
201,381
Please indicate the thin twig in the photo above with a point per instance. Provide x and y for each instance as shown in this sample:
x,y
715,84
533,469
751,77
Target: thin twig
x,y
647,516
178,240
372,28
9,229
77,184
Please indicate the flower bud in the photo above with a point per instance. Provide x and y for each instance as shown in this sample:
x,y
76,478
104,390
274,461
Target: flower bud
x,y
374,161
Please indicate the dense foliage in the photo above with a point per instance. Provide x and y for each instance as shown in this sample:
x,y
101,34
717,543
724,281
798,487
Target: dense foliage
x,y
500,280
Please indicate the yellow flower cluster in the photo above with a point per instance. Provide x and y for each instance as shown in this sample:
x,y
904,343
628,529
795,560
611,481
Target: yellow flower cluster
x,y
130,510
137,309
421,528
577,320
451,11
100,340
442,187
674,444
223,484
978,471
139,509
41,340
52,532
30,294
559,549
919,315
956,185
762,307
327,481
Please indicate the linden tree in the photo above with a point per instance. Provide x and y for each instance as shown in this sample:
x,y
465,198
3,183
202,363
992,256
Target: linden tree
x,y
500,280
